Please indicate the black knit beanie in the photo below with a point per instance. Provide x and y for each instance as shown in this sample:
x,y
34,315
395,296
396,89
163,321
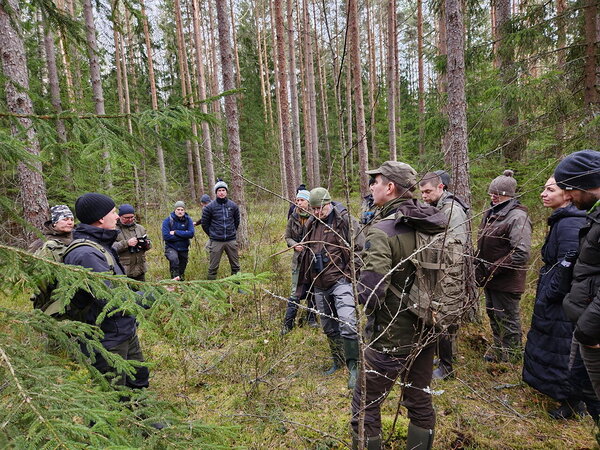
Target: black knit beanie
x,y
91,207
579,170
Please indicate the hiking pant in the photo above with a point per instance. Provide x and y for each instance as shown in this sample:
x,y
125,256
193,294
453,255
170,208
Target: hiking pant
x,y
582,388
337,309
130,350
177,261
446,346
503,310
381,372
215,251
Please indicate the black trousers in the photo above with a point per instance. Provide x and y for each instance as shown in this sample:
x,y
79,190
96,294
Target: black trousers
x,y
503,310
130,350
177,261
381,372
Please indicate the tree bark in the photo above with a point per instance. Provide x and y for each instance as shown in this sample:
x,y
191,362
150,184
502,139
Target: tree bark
x,y
421,94
361,127
590,94
160,157
231,114
372,80
295,115
218,151
32,189
391,79
96,79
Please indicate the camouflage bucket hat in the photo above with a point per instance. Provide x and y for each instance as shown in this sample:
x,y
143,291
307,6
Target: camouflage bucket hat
x,y
60,212
398,172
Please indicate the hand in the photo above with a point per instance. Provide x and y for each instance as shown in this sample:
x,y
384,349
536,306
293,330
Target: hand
x,y
172,233
298,248
593,346
132,242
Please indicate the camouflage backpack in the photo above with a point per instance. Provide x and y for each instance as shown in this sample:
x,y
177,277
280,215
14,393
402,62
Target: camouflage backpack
x,y
56,251
437,295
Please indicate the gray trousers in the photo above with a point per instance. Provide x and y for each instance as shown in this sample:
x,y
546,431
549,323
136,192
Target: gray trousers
x,y
503,310
215,251
338,310
130,350
591,359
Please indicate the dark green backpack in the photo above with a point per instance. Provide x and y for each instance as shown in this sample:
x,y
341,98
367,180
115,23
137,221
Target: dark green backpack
x,y
56,251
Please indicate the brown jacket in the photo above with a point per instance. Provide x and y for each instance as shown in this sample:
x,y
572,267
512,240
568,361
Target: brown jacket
x,y
330,239
503,246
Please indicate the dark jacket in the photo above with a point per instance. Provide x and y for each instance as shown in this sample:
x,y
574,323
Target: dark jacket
x,y
134,262
50,234
221,219
117,327
184,231
546,360
329,240
390,242
503,247
294,233
582,304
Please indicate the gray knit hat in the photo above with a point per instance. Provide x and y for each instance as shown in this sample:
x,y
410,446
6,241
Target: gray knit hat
x,y
319,196
179,204
505,184
60,212
221,184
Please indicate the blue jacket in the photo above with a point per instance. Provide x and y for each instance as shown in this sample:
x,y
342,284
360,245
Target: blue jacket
x,y
117,327
545,365
221,219
184,231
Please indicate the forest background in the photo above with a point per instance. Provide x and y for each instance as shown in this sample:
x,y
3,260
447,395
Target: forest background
x,y
150,103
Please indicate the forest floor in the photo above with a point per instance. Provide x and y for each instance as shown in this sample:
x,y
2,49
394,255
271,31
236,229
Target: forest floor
x,y
237,371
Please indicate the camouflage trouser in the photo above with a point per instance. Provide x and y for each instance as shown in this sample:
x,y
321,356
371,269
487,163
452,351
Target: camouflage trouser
x,y
338,310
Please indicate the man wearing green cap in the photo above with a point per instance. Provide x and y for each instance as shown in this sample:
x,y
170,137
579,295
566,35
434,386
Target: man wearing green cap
x,y
326,266
394,334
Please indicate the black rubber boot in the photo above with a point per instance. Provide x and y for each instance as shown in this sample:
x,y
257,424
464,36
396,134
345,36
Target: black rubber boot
x,y
337,355
371,442
568,410
419,438
442,372
351,354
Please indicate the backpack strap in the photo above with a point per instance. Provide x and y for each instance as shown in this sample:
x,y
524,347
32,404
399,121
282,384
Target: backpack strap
x,y
110,259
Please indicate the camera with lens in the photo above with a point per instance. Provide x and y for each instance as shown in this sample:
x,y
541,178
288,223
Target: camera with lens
x,y
320,261
143,244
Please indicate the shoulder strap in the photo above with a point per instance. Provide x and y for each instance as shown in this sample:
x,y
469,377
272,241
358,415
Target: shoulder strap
x,y
86,242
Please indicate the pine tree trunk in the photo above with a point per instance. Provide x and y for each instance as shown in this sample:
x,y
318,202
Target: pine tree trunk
x,y
14,68
231,115
154,96
261,72
457,156
391,79
206,139
323,96
361,128
55,99
372,80
421,95
218,151
311,96
591,96
284,107
295,116
96,79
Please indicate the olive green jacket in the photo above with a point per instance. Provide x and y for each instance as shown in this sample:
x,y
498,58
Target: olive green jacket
x,y
134,263
391,328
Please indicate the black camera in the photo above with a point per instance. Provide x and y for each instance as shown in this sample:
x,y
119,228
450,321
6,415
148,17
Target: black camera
x,y
143,244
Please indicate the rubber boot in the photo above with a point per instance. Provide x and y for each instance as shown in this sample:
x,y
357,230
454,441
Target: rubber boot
x,y
568,409
337,355
351,354
371,442
419,438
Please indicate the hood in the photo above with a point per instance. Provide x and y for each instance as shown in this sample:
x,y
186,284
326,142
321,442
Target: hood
x,y
424,218
568,211
180,219
51,232
101,235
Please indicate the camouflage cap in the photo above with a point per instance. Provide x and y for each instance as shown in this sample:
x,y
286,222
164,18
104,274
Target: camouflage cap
x,y
398,172
60,212
319,196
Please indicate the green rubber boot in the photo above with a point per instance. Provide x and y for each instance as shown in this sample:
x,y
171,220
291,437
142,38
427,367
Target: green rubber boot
x,y
419,438
351,354
337,355
371,442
